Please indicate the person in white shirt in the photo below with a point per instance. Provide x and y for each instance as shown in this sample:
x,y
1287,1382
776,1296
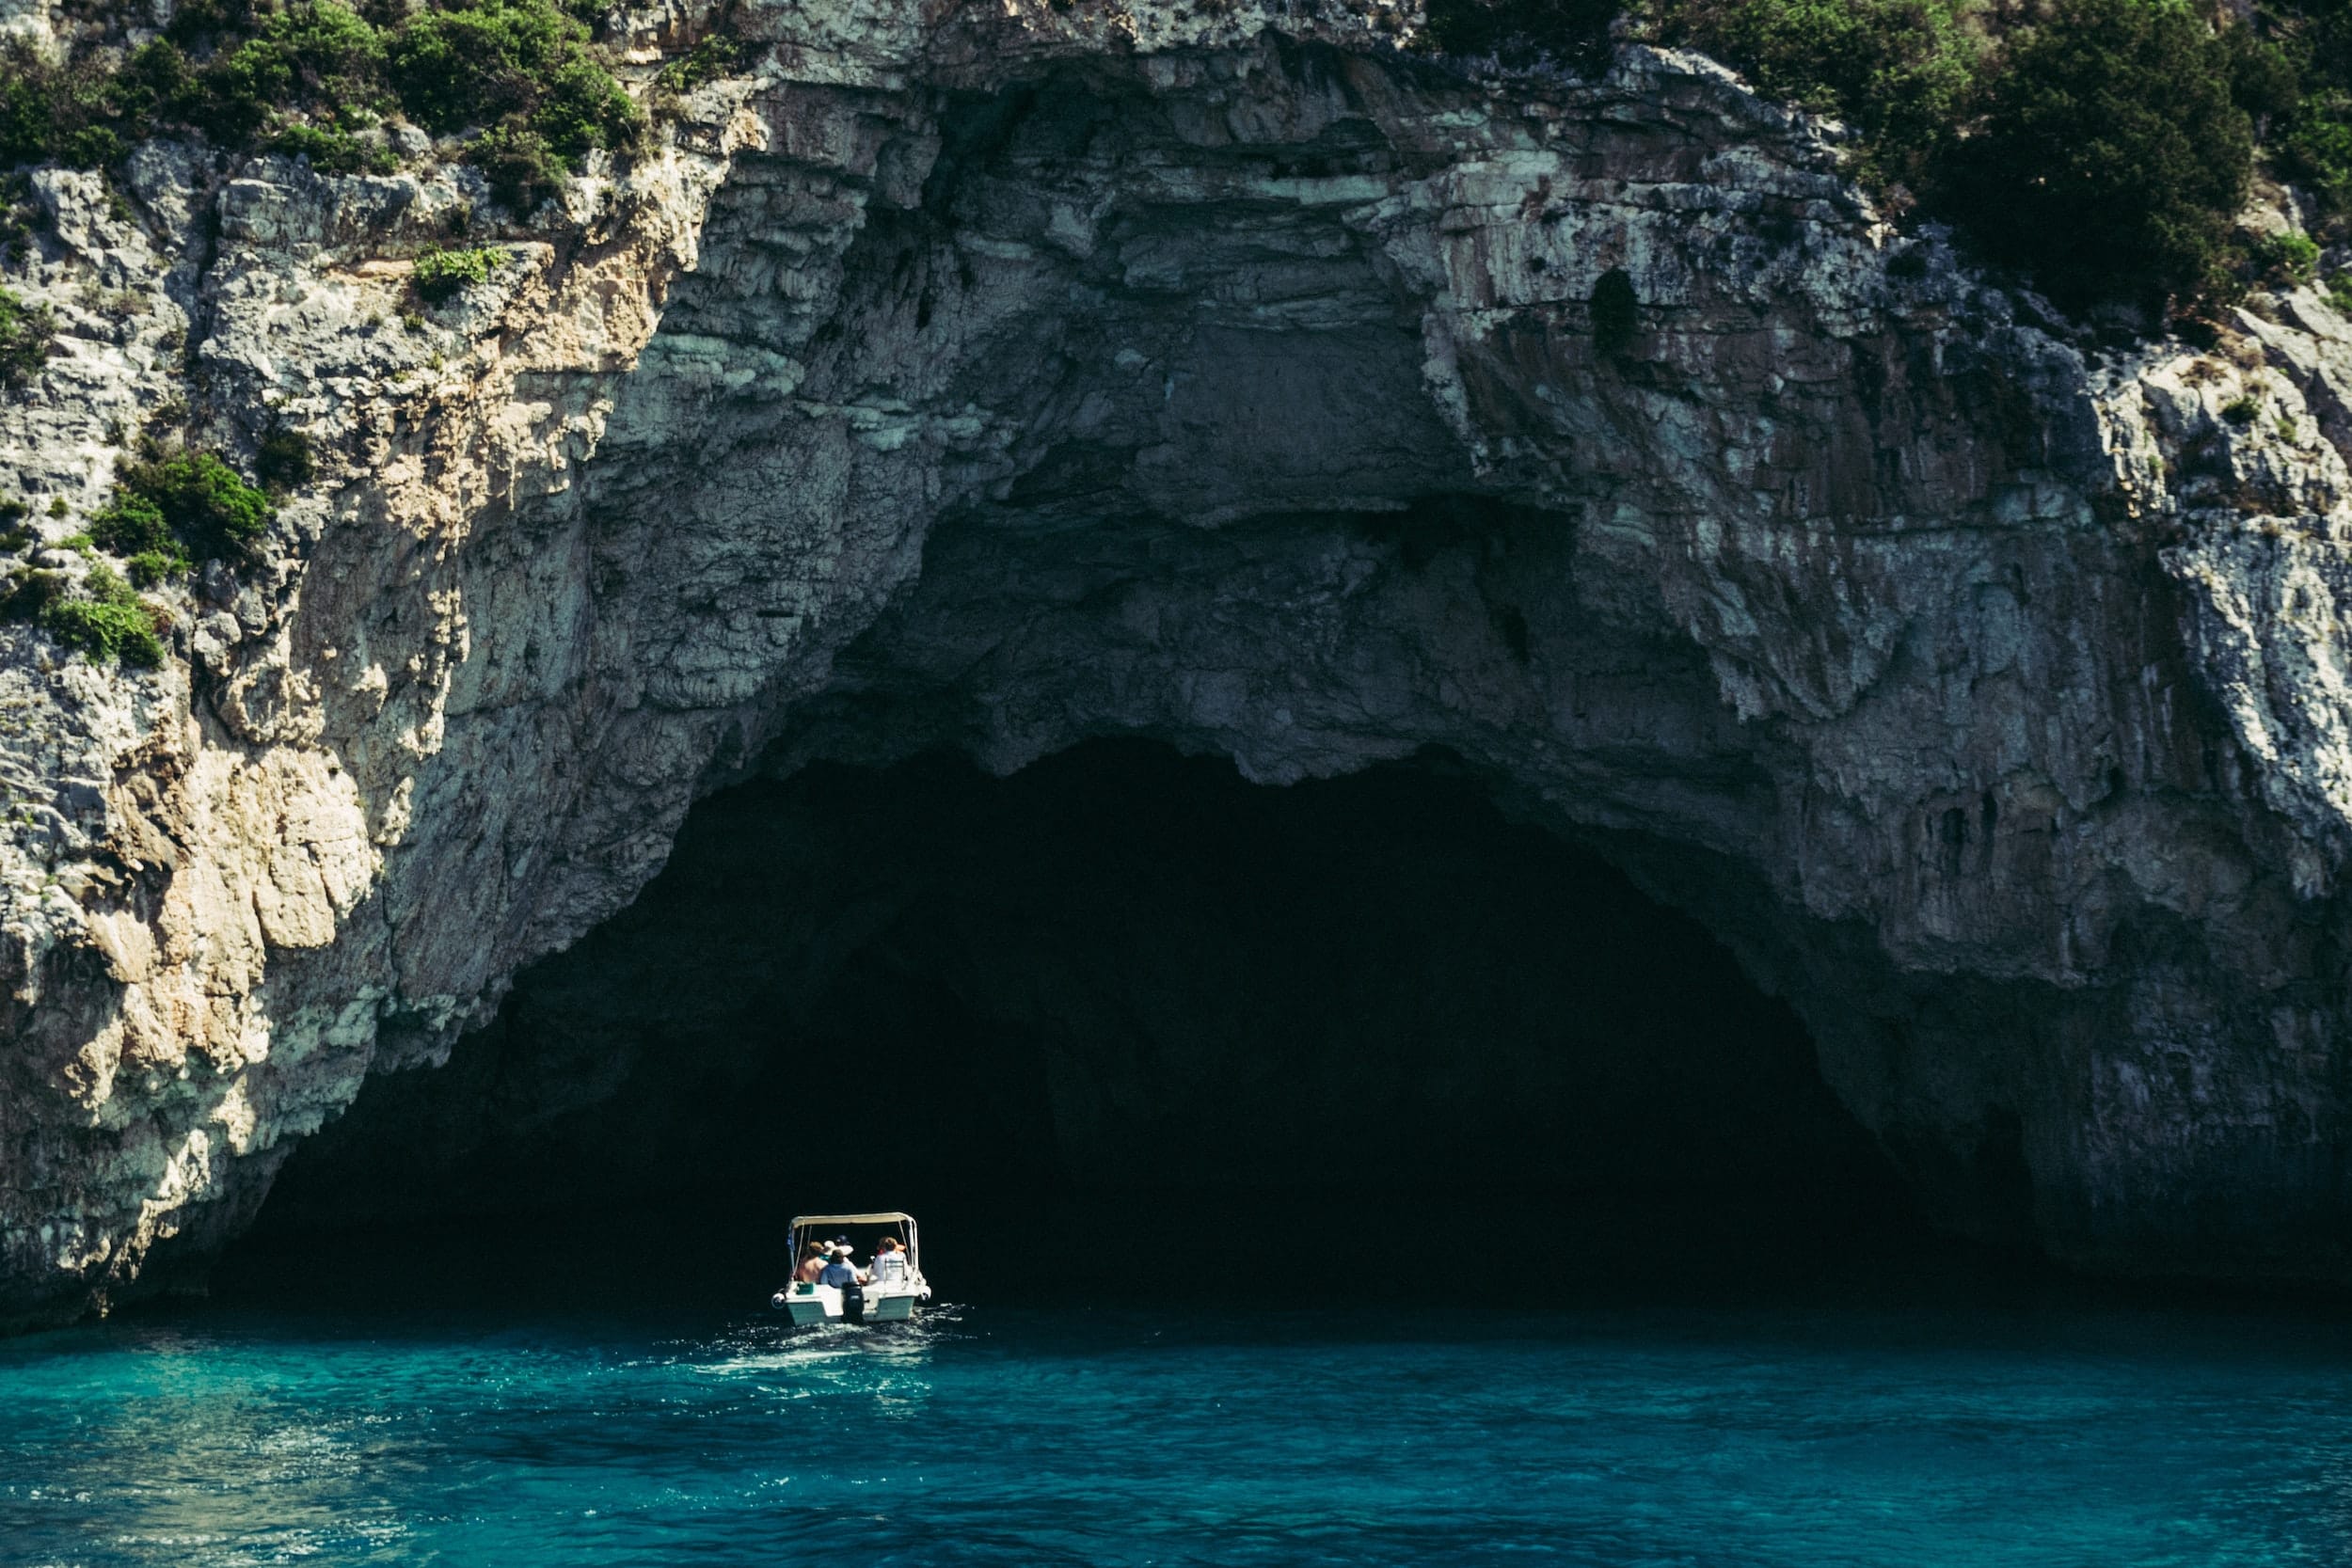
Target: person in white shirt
x,y
890,1263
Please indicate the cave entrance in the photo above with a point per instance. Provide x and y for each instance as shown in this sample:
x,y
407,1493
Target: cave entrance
x,y
1127,995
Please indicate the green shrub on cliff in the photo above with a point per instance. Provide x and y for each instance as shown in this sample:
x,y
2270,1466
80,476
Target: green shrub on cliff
x,y
106,621
76,112
103,619
283,459
441,273
2289,257
522,71
176,510
24,104
26,333
2111,156
25,595
1897,71
317,57
132,524
720,55
582,108
334,149
520,78
2105,146
460,66
522,169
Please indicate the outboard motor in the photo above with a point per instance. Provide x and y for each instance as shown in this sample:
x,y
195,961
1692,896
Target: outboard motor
x,y
854,1303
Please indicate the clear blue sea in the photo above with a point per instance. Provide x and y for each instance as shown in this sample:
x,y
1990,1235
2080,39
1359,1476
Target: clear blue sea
x,y
2022,1434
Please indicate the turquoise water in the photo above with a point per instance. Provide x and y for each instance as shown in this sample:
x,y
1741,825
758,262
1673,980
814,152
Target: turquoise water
x,y
1813,1436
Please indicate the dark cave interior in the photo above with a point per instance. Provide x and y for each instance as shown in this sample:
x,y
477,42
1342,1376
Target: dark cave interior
x,y
1121,1006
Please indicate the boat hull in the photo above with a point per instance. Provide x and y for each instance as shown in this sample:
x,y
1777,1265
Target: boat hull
x,y
892,1307
819,1304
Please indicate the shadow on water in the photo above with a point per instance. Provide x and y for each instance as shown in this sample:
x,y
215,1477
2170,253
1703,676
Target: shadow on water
x,y
1251,1266
1223,1253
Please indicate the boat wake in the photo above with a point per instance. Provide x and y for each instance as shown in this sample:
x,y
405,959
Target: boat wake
x,y
762,1347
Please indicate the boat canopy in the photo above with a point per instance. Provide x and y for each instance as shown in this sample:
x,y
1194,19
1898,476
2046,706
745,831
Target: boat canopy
x,y
802,1223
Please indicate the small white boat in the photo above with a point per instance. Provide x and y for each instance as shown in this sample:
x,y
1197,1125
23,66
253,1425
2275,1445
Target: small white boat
x,y
890,1283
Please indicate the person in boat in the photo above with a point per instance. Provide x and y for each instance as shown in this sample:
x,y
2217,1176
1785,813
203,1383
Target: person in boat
x,y
840,1272
811,1263
890,1262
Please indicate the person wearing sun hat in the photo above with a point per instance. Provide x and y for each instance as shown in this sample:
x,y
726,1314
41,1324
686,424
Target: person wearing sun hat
x,y
841,1273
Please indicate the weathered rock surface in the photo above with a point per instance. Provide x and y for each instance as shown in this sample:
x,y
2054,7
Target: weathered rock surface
x,y
1002,376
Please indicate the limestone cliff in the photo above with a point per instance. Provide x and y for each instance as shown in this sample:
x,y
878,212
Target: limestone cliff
x,y
1003,375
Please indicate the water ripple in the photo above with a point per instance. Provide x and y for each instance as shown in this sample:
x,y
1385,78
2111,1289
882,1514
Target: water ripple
x,y
1821,1438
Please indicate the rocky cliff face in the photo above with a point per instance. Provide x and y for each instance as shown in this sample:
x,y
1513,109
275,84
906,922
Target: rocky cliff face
x,y
1002,376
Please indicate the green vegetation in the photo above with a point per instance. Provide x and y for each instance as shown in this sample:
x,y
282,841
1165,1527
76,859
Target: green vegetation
x,y
175,511
25,334
517,66
106,620
520,79
2104,146
721,54
1899,70
284,459
2290,258
165,515
25,595
2111,157
2306,100
58,112
334,149
132,526
2240,411
441,273
522,169
109,623
20,216
14,535
321,57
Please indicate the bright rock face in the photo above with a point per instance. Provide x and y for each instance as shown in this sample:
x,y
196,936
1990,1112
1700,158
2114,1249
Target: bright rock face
x,y
999,377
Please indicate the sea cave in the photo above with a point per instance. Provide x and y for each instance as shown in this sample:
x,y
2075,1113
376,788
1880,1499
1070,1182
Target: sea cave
x,y
1125,995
